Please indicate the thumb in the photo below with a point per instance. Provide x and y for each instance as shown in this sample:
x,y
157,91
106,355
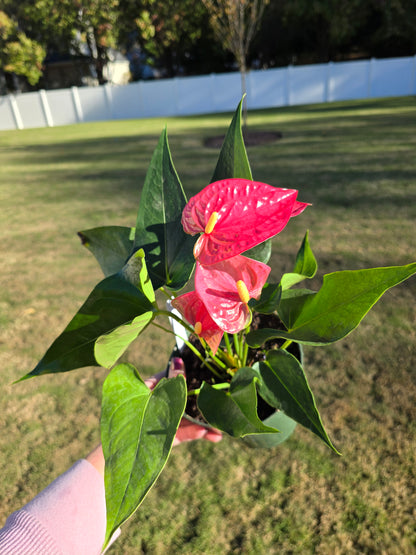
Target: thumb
x,y
176,367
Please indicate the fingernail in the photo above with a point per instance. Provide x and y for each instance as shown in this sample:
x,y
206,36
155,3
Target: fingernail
x,y
177,363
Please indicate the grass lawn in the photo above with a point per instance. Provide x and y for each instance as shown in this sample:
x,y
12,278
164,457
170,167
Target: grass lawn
x,y
356,162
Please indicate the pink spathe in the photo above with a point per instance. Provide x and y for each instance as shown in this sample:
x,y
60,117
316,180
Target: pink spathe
x,y
235,215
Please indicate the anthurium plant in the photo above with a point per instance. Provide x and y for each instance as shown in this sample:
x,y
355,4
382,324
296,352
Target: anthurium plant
x,y
208,258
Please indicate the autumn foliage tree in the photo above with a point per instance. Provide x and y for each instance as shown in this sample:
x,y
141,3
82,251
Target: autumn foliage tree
x,y
18,53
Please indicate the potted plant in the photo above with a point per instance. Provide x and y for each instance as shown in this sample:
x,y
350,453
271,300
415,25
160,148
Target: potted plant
x,y
241,335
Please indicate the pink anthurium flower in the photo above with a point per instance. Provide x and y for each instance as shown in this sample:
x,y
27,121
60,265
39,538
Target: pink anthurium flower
x,y
193,310
235,215
226,287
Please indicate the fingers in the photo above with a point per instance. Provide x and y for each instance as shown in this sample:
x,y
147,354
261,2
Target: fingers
x,y
176,367
187,431
213,435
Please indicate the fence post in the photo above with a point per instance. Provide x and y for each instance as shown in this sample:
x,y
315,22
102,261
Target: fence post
x,y
287,86
328,77
370,67
77,104
213,79
413,78
15,111
108,100
45,107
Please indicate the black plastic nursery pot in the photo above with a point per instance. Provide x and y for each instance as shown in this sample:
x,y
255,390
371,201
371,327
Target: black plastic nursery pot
x,y
196,374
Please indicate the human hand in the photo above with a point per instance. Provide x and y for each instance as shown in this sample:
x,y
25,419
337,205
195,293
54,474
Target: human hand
x,y
187,431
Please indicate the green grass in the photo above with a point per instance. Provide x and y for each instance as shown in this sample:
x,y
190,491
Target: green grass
x,y
356,163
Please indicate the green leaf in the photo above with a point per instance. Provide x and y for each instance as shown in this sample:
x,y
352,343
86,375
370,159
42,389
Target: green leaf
x,y
233,161
234,413
112,303
135,272
291,304
281,422
138,427
260,252
285,379
245,375
111,246
277,420
159,232
269,299
305,266
109,347
336,309
341,303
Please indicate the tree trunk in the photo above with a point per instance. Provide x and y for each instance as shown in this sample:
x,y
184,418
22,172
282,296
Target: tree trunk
x,y
243,73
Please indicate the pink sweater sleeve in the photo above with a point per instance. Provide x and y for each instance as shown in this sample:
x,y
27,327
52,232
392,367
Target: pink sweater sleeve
x,y
66,518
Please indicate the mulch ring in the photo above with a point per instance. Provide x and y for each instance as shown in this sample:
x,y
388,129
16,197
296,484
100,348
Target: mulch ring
x,y
251,138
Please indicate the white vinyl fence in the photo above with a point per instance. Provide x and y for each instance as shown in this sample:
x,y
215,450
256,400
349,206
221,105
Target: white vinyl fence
x,y
206,94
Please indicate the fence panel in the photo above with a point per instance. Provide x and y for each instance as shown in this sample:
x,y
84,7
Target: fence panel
x,y
94,103
393,77
348,81
194,95
226,91
206,94
307,84
61,106
267,88
7,120
31,110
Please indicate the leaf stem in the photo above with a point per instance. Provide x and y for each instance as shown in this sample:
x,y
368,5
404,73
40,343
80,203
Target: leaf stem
x,y
203,360
245,348
236,344
223,385
227,343
168,295
286,344
177,318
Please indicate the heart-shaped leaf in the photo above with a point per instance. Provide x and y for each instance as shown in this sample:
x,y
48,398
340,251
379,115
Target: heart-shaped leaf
x,y
112,303
111,246
336,309
135,272
277,420
234,413
159,230
285,379
138,427
269,299
109,347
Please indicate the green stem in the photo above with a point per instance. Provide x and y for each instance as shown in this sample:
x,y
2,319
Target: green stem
x,y
227,343
236,344
177,318
169,331
203,360
217,360
245,347
168,295
286,344
223,385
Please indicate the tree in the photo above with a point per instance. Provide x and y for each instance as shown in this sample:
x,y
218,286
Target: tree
x,y
18,53
97,23
168,31
235,23
68,26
